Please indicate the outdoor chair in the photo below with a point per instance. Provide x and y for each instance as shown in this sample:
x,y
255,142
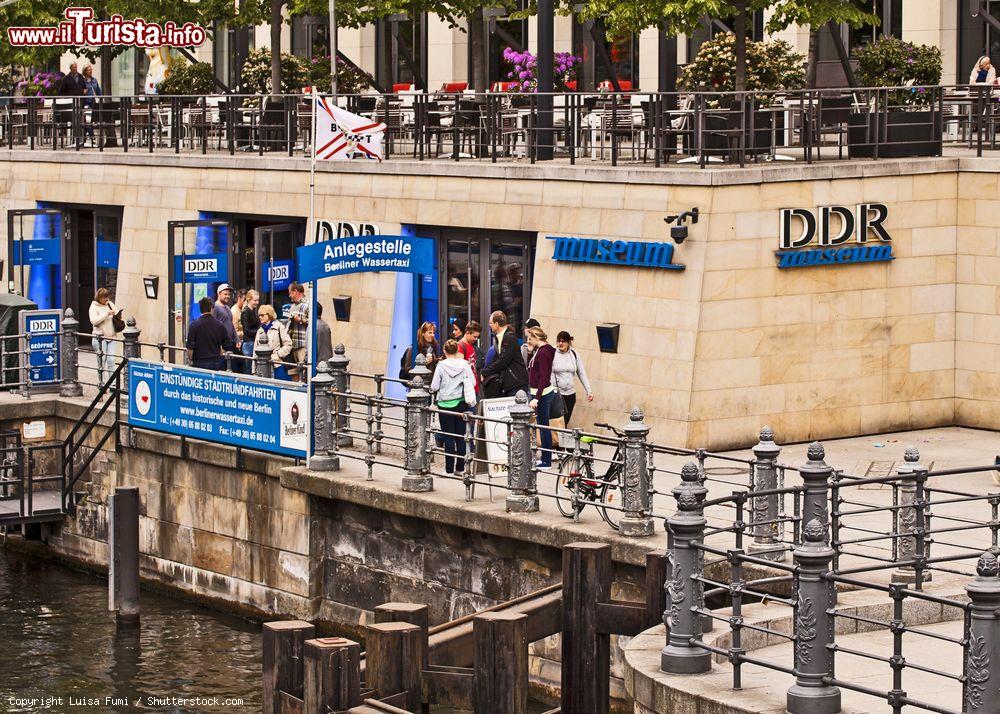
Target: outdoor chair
x,y
830,116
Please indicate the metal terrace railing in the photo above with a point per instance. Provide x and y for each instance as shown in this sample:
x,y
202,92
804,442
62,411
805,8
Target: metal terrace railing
x,y
644,128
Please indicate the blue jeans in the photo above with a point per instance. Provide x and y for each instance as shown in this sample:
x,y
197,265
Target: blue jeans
x,y
542,410
454,437
245,366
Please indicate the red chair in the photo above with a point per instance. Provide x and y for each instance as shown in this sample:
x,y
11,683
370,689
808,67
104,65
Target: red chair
x,y
606,86
502,86
397,88
571,86
454,87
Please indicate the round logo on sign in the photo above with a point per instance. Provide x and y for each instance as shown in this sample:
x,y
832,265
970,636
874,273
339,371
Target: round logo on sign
x,y
143,397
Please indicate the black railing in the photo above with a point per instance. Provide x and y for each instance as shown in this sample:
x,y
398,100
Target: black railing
x,y
646,128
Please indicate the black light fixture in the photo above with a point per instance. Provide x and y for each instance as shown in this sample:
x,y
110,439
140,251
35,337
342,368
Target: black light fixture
x,y
607,336
342,307
152,285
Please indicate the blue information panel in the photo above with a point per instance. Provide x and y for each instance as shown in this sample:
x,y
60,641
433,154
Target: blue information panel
x,y
278,275
41,331
37,252
258,414
397,254
207,268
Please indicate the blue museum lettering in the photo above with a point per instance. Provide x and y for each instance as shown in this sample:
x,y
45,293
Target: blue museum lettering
x,y
615,252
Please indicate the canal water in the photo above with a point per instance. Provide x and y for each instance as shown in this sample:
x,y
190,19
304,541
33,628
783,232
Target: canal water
x,y
59,641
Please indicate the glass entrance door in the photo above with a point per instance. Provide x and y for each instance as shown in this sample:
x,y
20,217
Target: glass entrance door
x,y
198,262
36,249
274,263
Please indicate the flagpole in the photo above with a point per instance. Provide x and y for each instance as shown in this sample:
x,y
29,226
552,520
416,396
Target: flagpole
x,y
310,235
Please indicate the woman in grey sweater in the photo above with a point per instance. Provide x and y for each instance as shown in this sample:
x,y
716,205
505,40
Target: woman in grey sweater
x,y
567,367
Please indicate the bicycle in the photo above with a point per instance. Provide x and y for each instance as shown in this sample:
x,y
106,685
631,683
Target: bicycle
x,y
576,474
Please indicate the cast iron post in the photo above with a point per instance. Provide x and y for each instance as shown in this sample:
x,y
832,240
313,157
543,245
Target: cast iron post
x,y
816,477
130,348
262,364
765,511
521,475
70,357
324,449
813,624
906,519
685,594
982,653
417,447
341,387
636,519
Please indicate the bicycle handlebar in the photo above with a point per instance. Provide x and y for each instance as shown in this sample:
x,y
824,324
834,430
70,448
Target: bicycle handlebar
x,y
609,428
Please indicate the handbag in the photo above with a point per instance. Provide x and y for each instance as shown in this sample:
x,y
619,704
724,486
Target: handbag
x,y
117,323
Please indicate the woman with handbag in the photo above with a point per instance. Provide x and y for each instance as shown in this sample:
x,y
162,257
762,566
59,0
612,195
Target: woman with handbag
x,y
106,322
543,393
276,335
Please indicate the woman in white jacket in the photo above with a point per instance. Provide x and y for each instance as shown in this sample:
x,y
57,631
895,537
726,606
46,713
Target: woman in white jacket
x,y
984,72
274,333
101,313
455,386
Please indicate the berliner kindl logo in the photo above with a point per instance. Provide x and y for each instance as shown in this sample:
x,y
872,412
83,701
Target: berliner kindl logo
x,y
294,420
143,397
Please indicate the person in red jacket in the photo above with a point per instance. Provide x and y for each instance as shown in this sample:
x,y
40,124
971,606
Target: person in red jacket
x,y
542,390
467,348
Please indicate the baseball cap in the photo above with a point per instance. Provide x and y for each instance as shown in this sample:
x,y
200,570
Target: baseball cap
x,y
223,287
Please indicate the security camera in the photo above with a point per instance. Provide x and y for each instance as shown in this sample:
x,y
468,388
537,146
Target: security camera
x,y
679,232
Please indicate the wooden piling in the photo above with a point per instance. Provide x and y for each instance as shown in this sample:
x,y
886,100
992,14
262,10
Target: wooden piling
x,y
283,643
500,644
586,653
394,659
332,677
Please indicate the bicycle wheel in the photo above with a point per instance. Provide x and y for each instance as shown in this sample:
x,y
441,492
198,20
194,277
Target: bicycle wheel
x,y
571,470
611,499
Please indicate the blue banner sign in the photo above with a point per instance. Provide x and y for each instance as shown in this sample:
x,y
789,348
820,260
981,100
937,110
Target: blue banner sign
x,y
639,254
278,275
107,254
207,268
42,339
398,254
45,251
258,414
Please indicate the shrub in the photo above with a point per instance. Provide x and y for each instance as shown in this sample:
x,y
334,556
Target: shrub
x,y
524,66
890,62
256,77
771,65
350,80
41,84
188,79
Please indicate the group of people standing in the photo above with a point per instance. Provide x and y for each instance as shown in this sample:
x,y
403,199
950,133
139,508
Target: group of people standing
x,y
236,321
77,84
462,374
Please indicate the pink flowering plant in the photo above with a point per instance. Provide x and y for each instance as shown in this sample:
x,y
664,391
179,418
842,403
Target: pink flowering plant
x,y
524,70
42,84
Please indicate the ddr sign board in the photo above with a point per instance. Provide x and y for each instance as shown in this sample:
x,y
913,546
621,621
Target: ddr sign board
x,y
207,268
398,254
258,414
40,347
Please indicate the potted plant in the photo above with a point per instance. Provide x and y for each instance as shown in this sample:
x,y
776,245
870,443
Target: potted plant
x,y
907,123
522,74
188,80
40,84
771,66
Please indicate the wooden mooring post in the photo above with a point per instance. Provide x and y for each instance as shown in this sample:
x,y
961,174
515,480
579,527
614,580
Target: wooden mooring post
x,y
284,648
123,554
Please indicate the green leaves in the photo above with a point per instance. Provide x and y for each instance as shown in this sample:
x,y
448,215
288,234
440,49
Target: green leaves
x,y
770,66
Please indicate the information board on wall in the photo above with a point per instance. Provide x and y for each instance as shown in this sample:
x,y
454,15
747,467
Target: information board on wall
x,y
260,414
40,358
496,411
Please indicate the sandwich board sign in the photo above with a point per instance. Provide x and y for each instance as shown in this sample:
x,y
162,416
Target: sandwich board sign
x,y
41,367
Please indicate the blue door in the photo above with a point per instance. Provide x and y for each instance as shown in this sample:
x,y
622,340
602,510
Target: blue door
x,y
36,250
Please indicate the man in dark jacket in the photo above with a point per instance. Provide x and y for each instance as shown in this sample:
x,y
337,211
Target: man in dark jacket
x,y
207,338
508,366
73,84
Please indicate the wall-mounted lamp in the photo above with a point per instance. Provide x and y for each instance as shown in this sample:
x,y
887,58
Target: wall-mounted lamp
x,y
679,232
342,307
152,285
607,336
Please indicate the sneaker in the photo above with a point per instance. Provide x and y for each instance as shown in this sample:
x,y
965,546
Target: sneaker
x,y
542,465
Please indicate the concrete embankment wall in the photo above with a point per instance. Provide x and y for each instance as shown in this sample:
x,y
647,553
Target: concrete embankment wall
x,y
274,542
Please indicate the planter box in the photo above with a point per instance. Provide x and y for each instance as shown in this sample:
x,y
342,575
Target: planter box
x,y
900,134
721,134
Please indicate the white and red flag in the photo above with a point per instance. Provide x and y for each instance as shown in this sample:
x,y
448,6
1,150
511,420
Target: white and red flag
x,y
342,136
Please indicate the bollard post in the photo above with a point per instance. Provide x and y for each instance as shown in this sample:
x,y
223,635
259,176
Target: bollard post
x,y
331,679
394,662
420,369
130,348
70,357
636,519
284,644
324,456
262,364
521,475
341,388
906,518
500,663
813,624
686,594
416,450
123,555
982,653
766,510
816,478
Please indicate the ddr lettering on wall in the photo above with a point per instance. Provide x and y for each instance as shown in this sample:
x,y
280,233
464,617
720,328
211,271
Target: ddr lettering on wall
x,y
834,235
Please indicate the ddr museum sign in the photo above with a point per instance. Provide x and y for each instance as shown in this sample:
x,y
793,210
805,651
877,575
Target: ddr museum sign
x,y
212,406
840,240
637,254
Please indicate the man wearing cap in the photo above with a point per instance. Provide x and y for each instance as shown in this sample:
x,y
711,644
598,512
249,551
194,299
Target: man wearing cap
x,y
224,314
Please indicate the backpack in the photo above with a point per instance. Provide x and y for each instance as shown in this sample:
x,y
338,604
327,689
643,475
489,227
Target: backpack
x,y
405,363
